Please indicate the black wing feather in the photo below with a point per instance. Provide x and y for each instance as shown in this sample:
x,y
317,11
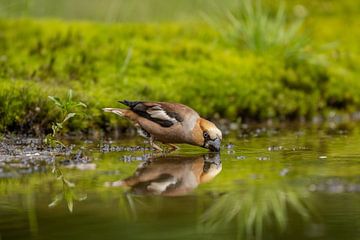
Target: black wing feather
x,y
141,109
130,104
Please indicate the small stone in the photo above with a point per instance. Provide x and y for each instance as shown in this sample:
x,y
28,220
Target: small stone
x,y
229,146
275,148
263,158
284,172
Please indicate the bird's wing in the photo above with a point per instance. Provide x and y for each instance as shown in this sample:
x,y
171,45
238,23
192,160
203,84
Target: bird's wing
x,y
164,114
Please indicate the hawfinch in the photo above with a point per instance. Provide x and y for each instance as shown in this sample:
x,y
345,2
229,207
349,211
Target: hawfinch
x,y
170,123
171,175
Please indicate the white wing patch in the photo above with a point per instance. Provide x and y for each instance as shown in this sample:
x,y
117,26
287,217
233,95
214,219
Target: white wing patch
x,y
159,113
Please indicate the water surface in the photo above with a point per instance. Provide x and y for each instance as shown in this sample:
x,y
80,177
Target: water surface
x,y
265,184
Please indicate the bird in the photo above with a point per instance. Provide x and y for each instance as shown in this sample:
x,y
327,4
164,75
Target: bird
x,y
171,175
170,124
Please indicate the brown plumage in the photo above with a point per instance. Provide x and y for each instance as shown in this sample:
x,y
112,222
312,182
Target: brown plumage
x,y
172,175
170,123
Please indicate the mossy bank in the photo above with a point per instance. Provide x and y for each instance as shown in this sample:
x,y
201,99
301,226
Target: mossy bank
x,y
180,62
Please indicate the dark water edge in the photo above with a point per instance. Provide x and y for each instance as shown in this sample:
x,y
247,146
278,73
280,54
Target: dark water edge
x,y
267,183
332,121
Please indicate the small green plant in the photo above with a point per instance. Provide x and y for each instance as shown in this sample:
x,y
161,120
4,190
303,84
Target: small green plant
x,y
68,193
263,204
258,29
67,108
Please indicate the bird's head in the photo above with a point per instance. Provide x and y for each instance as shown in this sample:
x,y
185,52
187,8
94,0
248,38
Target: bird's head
x,y
211,135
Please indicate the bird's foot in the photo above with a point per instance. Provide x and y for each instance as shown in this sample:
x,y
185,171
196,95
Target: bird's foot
x,y
172,147
153,145
156,147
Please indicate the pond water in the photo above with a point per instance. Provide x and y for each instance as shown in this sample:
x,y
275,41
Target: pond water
x,y
265,184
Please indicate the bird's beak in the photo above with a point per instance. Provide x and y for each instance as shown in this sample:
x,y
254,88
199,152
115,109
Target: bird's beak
x,y
212,158
214,145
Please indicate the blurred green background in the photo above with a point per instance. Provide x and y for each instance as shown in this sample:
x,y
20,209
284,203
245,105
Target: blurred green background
x,y
239,60
152,10
113,10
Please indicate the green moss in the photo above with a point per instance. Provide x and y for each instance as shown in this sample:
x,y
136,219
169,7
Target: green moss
x,y
165,62
23,107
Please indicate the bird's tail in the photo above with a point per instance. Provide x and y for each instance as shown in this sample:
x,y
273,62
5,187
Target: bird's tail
x,y
117,111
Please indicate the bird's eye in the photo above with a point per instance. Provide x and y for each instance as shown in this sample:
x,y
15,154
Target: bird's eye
x,y
206,135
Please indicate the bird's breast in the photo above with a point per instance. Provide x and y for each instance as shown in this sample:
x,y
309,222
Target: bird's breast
x,y
180,132
173,134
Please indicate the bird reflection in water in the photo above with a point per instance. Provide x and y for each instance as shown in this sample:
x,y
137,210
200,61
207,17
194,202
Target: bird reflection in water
x,y
172,175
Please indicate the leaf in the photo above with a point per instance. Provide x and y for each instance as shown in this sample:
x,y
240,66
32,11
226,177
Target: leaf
x,y
56,100
70,115
81,197
70,201
70,94
54,129
68,183
60,143
56,200
69,198
81,104
48,139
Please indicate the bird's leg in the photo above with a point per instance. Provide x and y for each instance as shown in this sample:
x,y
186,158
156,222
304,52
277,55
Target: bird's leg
x,y
157,147
152,144
173,147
